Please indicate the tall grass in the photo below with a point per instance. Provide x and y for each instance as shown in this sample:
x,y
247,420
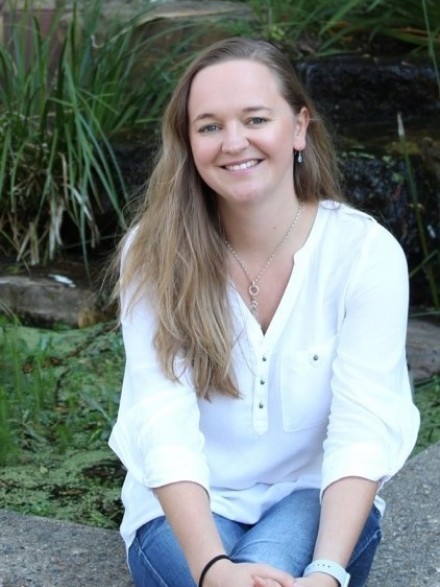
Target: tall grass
x,y
332,26
430,264
58,390
58,114
61,110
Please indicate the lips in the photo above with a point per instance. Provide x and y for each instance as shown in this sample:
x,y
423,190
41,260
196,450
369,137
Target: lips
x,y
242,166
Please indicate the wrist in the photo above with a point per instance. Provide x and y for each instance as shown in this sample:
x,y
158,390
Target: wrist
x,y
207,568
326,567
318,580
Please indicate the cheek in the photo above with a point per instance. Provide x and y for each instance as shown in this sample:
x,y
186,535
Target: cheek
x,y
202,152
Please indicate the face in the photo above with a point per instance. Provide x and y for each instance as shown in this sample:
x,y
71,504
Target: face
x,y
243,133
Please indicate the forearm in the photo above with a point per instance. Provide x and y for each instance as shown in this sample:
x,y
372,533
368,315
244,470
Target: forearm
x,y
186,506
345,507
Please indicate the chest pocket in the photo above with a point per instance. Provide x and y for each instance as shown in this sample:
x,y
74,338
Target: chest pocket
x,y
305,386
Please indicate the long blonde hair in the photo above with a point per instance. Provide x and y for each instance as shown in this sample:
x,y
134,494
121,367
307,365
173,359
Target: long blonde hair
x,y
176,255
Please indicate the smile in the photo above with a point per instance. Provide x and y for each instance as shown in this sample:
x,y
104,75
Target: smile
x,y
240,166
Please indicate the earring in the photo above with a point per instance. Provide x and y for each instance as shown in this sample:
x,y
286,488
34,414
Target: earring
x,y
299,157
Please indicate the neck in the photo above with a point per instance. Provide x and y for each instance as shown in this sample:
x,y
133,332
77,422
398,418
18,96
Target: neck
x,y
255,233
254,278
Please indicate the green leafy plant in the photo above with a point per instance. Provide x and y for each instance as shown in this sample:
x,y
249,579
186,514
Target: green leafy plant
x,y
59,394
427,399
58,390
61,103
430,264
332,26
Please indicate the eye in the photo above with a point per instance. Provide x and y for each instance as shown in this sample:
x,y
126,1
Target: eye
x,y
257,121
207,128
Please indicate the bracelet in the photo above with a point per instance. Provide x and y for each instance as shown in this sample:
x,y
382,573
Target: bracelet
x,y
209,565
329,568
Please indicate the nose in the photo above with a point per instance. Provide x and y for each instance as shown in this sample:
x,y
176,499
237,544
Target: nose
x,y
234,140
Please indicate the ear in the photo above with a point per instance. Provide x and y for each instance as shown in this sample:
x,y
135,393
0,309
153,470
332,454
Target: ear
x,y
302,120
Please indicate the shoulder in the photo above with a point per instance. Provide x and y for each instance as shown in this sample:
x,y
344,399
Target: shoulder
x,y
339,213
354,228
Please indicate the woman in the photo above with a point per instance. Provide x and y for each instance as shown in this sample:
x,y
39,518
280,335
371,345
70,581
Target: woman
x,y
266,397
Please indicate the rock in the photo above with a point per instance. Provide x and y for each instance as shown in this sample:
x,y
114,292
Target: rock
x,y
46,296
372,88
423,348
409,553
40,552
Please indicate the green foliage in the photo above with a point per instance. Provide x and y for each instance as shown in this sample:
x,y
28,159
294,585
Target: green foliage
x,y
427,399
430,265
66,94
329,26
59,394
61,102
58,390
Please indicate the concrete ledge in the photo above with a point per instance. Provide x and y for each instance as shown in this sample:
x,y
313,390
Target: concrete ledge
x,y
38,552
410,549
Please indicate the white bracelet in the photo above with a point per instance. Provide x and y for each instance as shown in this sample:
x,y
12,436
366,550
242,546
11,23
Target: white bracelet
x,y
329,568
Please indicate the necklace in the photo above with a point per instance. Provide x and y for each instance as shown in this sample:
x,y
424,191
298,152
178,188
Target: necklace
x,y
254,288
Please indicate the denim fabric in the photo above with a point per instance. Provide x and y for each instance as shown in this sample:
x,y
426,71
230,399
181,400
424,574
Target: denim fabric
x,y
284,538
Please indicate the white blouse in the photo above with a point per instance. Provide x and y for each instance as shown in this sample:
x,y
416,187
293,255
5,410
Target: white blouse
x,y
325,392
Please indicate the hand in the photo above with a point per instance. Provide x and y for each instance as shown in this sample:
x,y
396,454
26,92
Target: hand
x,y
225,573
260,582
316,580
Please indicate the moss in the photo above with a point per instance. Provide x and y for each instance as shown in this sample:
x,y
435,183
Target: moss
x,y
79,486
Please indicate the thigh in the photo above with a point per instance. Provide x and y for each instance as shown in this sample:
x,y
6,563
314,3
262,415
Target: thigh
x,y
285,536
155,558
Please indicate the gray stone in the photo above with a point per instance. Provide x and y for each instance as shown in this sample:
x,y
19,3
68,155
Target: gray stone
x,y
410,549
360,88
37,552
423,348
45,301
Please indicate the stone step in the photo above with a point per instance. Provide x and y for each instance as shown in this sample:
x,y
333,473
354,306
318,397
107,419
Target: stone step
x,y
41,552
38,552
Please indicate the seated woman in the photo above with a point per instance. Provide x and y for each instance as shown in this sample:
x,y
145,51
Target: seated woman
x,y
266,397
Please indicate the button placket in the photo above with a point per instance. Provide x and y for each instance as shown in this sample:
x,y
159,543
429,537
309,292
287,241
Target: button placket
x,y
260,396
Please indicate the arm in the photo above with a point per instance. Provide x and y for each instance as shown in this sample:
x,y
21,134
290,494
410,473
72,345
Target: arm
x,y
158,439
373,423
345,507
187,508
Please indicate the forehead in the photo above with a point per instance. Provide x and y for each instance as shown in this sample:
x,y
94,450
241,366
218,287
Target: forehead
x,y
234,82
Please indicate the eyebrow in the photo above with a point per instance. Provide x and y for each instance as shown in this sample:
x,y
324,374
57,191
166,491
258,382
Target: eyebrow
x,y
248,110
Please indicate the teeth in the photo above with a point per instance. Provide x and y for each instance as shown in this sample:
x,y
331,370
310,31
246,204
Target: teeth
x,y
245,165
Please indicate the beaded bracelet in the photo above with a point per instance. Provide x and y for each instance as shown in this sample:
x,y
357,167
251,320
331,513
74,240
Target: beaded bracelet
x,y
209,565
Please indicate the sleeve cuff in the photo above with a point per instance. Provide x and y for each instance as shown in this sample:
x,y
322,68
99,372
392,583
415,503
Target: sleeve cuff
x,y
171,464
364,460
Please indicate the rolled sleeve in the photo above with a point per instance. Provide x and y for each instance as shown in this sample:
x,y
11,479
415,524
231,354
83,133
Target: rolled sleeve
x,y
157,435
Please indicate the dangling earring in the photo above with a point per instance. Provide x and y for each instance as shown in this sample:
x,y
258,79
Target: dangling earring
x,y
299,157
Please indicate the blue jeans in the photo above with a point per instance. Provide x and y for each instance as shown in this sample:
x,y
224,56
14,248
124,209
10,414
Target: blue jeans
x,y
284,538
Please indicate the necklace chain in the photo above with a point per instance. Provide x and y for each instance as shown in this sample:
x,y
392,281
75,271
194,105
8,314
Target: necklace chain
x,y
254,288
